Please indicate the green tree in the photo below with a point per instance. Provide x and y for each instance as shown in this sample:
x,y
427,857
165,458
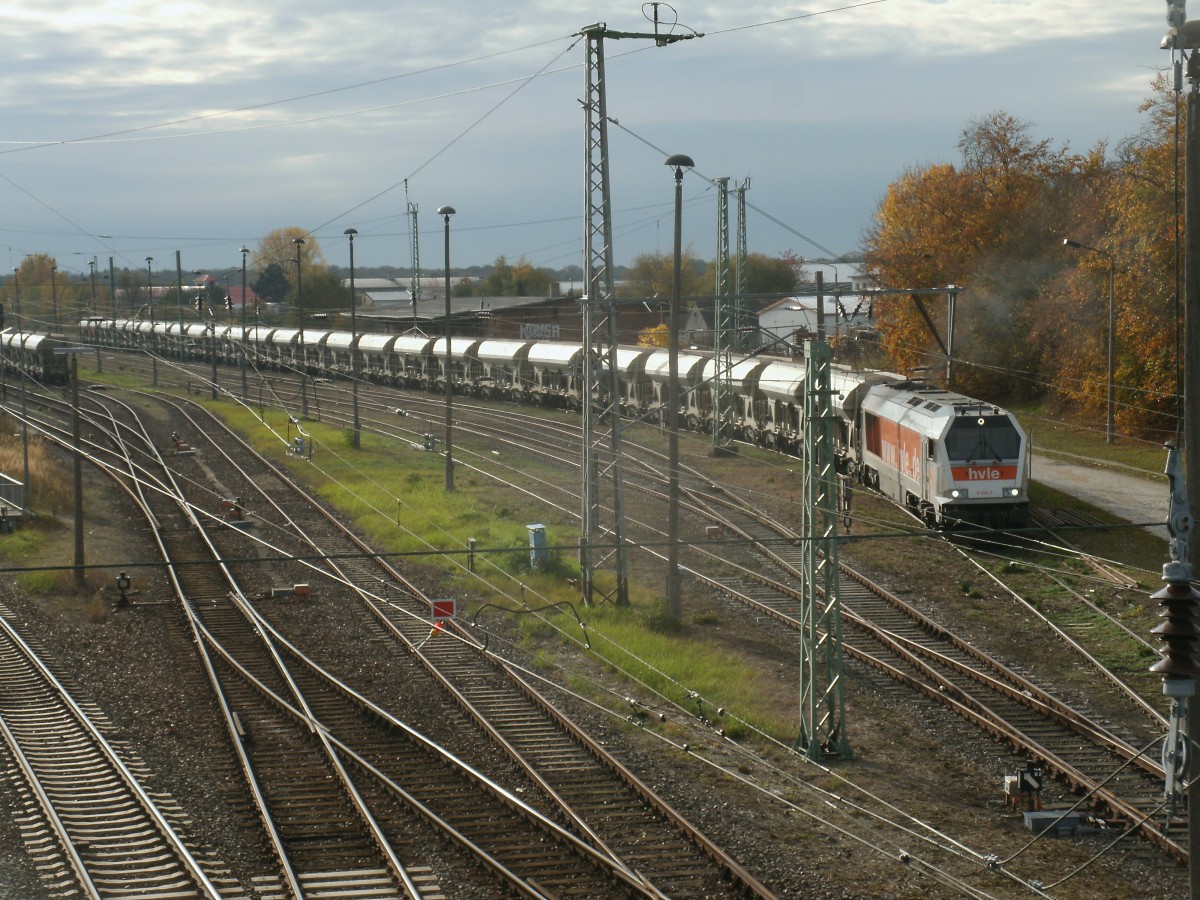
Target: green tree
x,y
764,274
324,290
521,280
652,275
272,285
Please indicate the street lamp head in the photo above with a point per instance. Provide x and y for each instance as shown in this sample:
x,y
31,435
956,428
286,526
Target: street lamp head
x,y
680,160
1067,242
351,231
446,211
244,250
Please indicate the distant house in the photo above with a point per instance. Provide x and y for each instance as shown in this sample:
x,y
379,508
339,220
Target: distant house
x,y
792,320
380,292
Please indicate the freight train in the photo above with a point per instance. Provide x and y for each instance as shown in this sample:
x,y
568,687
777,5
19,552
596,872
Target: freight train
x,y
947,458
37,356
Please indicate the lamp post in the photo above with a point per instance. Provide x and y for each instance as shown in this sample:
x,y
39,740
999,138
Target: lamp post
x,y
813,262
17,297
112,279
242,342
446,212
179,307
357,440
674,604
20,345
150,287
819,307
92,266
300,310
54,292
1109,429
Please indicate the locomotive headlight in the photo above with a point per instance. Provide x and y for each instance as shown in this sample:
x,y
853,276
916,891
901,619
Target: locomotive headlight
x,y
980,421
955,494
1016,492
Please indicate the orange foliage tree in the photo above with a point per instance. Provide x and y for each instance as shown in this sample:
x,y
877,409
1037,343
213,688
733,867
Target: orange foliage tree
x,y
1131,221
991,227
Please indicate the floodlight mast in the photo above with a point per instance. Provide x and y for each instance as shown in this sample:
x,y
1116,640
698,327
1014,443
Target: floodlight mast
x,y
601,388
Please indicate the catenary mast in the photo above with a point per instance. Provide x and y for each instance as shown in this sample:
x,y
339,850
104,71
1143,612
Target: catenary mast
x,y
602,545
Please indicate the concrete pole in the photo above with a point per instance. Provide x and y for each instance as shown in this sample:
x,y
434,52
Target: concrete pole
x,y
820,307
300,312
1110,420
446,212
80,573
242,342
1191,418
674,600
350,233
179,290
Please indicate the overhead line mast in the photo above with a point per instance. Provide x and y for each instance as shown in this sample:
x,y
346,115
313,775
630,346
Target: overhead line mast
x,y
600,545
741,322
723,332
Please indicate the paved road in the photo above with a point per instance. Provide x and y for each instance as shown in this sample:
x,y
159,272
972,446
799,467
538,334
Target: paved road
x,y
1133,495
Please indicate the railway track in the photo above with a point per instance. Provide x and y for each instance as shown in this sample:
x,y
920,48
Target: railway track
x,y
92,827
383,415
591,792
885,632
1117,772
666,856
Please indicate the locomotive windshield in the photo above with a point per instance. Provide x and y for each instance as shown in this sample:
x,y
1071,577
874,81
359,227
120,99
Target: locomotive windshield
x,y
973,438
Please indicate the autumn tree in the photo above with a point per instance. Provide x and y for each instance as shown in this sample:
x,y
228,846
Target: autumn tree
x,y
38,292
654,336
1127,214
278,247
992,227
276,261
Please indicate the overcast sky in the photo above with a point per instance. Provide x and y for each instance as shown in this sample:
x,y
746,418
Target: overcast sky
x,y
199,126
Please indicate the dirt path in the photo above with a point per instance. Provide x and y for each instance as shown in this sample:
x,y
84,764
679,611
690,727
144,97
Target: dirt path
x,y
1139,497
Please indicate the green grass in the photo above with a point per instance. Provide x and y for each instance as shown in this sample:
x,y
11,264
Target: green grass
x,y
395,493
1052,433
21,544
42,582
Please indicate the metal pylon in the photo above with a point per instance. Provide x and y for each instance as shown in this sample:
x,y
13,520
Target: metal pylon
x,y
724,334
416,260
822,674
602,544
740,320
